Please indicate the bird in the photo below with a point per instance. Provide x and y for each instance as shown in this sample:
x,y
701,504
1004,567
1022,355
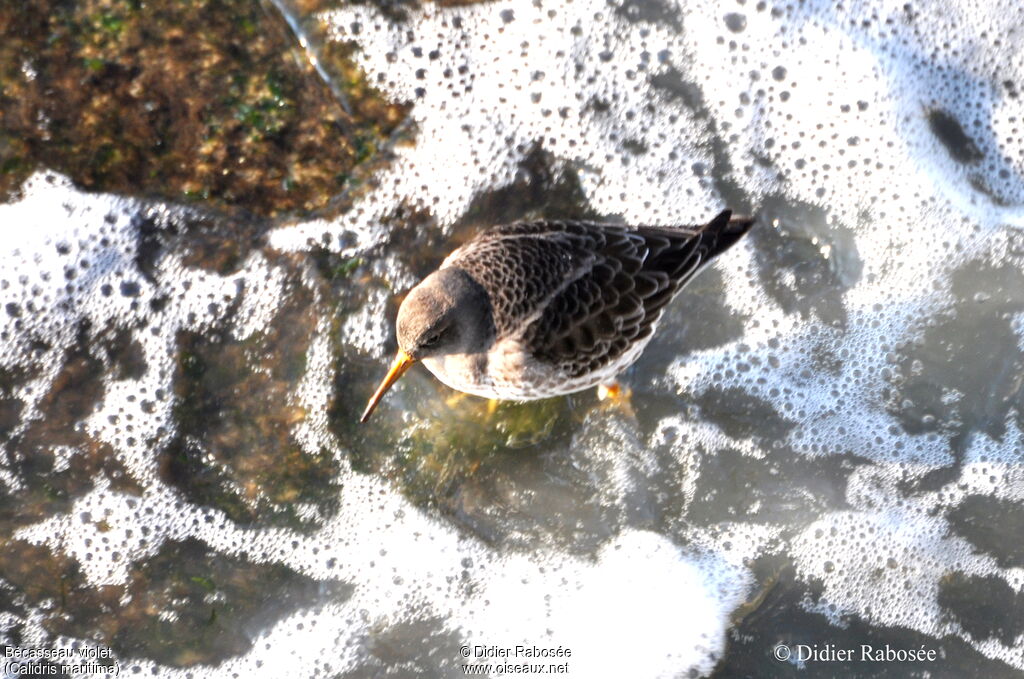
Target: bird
x,y
537,309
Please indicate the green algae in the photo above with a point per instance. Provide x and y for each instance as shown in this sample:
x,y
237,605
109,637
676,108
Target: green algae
x,y
430,441
195,101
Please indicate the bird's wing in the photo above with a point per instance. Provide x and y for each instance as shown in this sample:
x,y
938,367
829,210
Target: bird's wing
x,y
579,294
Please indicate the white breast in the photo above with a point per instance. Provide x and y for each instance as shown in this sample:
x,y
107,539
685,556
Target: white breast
x,y
507,372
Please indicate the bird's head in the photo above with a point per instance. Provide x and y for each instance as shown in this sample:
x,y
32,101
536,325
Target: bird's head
x,y
447,313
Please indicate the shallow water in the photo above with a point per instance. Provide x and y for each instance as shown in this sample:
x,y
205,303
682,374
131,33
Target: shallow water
x,y
824,447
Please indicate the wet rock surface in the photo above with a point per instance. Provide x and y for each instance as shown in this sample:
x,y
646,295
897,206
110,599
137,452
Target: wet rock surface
x,y
206,102
184,606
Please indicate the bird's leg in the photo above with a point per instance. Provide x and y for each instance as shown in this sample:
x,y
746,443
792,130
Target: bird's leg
x,y
455,399
614,395
611,390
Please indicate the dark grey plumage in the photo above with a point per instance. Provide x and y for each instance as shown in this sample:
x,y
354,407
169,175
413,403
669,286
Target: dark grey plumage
x,y
536,309
598,288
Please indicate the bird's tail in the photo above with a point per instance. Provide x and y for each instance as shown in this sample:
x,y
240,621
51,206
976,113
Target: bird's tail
x,y
727,230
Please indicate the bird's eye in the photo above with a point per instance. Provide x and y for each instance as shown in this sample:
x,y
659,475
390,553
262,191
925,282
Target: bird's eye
x,y
431,340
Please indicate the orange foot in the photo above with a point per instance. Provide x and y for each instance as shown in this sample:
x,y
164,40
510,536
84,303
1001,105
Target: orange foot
x,y
616,396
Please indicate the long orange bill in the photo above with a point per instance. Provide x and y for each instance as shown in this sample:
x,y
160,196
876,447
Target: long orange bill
x,y
403,362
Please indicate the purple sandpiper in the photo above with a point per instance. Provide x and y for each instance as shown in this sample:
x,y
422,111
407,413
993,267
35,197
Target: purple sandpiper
x,y
531,310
